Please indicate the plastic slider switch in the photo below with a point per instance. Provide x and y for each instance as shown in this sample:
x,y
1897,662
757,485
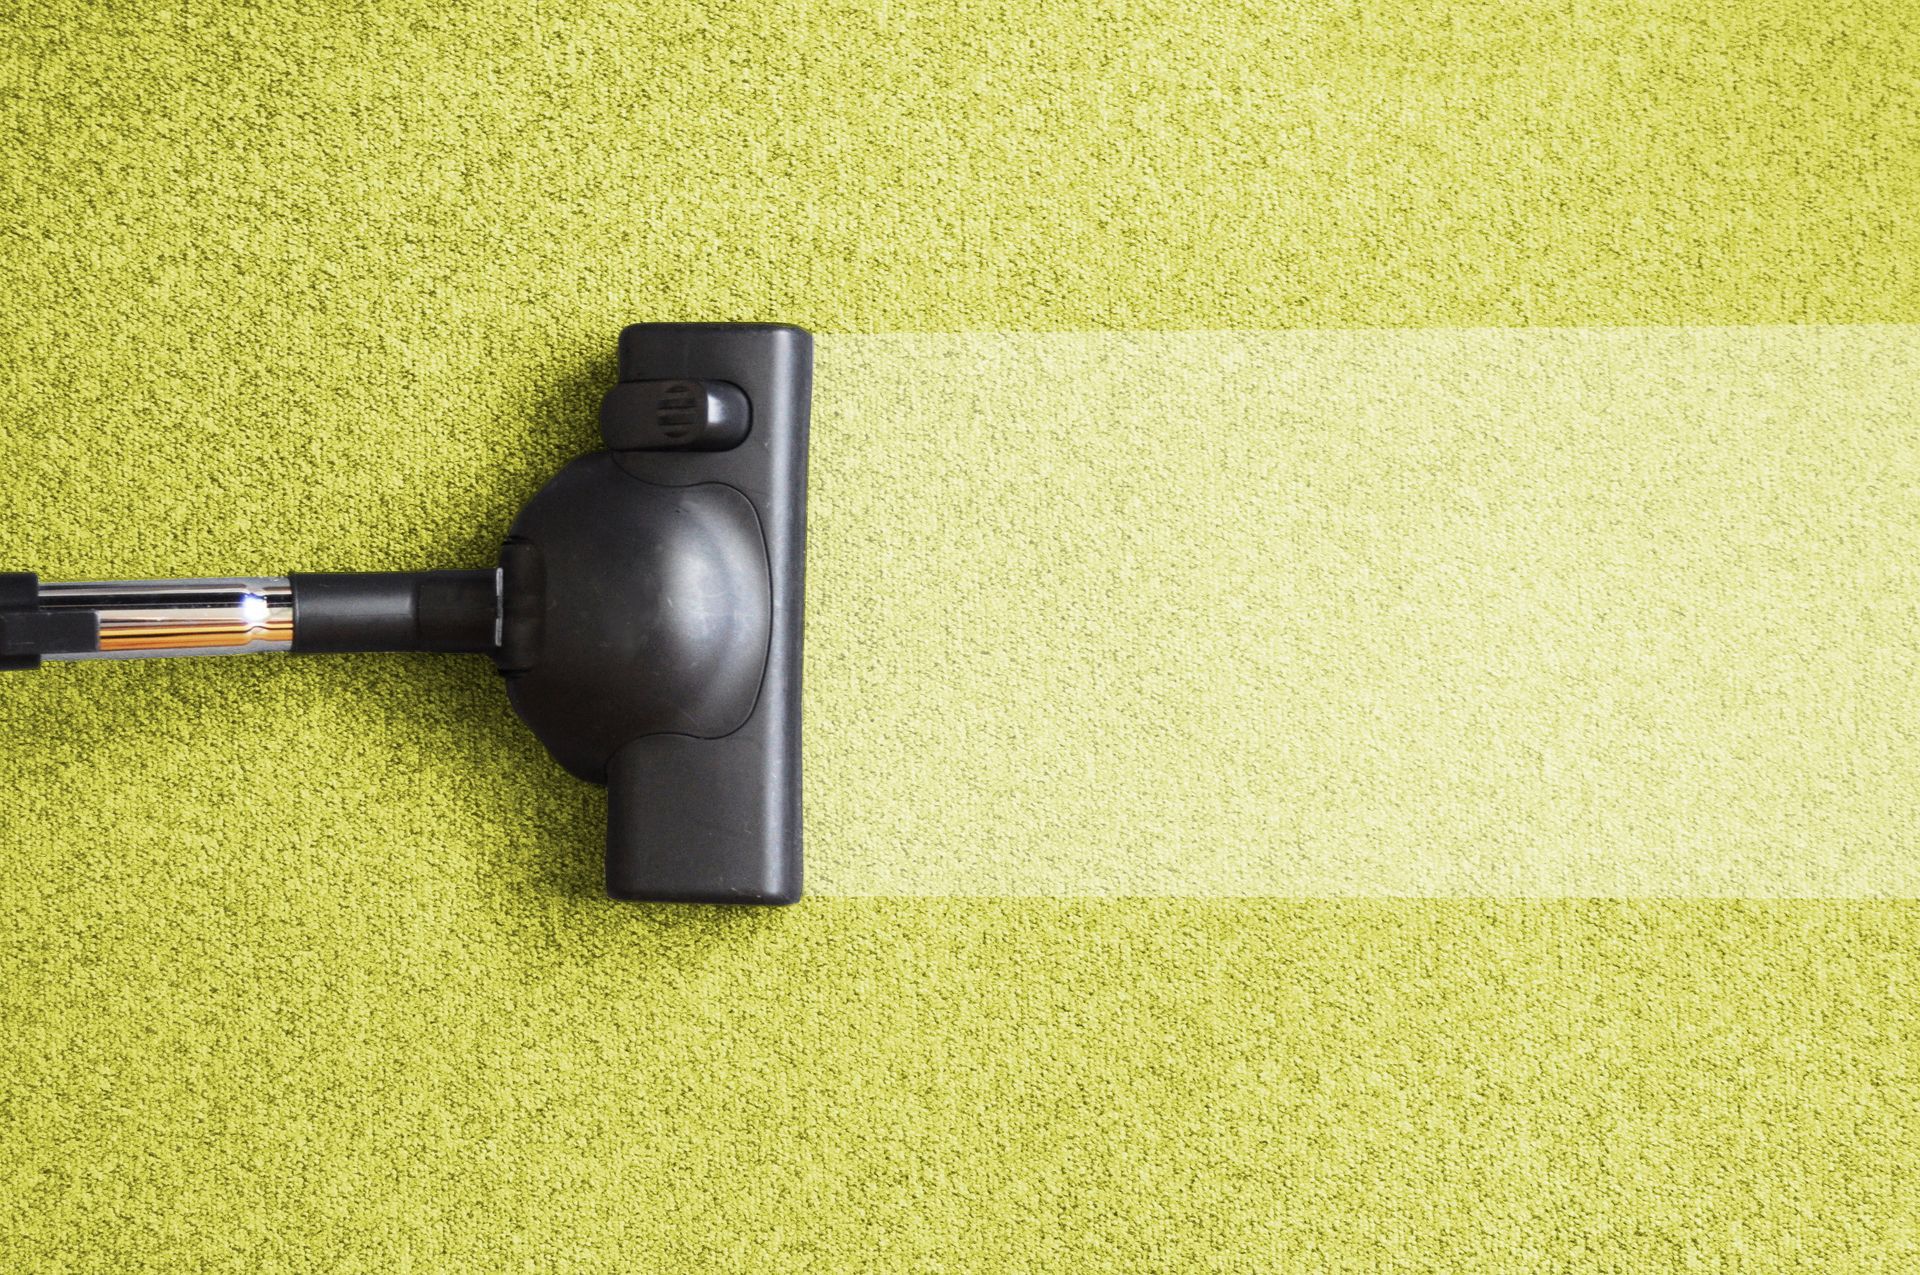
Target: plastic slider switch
x,y
674,416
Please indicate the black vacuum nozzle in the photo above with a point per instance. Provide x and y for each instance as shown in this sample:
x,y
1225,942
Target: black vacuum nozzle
x,y
652,596
645,613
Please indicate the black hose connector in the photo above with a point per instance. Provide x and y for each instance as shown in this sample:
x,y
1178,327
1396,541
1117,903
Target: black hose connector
x,y
27,631
396,611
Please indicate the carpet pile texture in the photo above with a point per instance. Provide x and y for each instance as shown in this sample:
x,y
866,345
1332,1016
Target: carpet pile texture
x,y
303,964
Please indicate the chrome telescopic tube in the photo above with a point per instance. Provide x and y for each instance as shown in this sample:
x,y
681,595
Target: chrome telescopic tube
x,y
146,618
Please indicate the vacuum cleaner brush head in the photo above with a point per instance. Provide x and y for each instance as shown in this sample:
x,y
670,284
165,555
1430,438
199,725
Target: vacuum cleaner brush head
x,y
645,613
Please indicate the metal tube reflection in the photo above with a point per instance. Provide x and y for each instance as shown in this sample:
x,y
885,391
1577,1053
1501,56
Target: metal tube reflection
x,y
144,618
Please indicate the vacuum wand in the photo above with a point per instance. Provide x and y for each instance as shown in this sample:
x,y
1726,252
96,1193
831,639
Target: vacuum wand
x,y
138,619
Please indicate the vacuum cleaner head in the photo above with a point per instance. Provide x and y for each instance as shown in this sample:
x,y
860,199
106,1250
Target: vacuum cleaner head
x,y
645,613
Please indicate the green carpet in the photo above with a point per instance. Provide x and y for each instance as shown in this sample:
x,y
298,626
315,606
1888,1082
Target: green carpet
x,y
302,964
